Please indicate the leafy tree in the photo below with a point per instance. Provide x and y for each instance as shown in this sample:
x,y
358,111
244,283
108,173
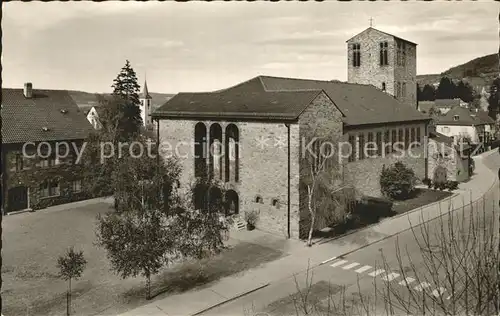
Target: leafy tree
x,y
494,98
446,89
428,93
465,91
71,266
154,225
397,181
126,93
136,243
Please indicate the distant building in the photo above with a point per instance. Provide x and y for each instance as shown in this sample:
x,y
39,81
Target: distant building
x,y
146,105
447,158
36,120
386,62
460,122
93,116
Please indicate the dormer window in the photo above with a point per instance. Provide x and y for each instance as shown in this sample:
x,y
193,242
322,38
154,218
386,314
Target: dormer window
x,y
455,117
383,86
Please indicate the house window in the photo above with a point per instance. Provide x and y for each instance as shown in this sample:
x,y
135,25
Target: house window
x,y
384,60
21,163
403,88
258,199
398,89
413,135
418,135
398,54
383,86
352,144
44,163
446,129
401,136
275,203
356,55
77,186
49,189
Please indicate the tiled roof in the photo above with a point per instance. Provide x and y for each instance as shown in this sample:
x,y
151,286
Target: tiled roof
x,y
25,119
396,37
447,103
425,106
286,98
484,117
465,117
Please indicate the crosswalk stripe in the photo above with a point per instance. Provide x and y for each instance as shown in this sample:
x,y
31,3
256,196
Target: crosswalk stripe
x,y
376,272
421,286
350,266
390,276
406,281
338,263
363,269
328,260
438,292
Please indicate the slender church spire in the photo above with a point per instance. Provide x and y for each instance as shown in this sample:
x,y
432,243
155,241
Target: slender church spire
x,y
145,92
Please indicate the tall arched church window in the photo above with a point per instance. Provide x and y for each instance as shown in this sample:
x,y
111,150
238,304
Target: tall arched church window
x,y
232,156
200,149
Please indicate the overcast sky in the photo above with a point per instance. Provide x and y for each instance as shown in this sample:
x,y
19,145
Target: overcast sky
x,y
201,46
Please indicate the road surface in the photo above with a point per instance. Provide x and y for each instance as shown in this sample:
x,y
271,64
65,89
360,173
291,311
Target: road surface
x,y
369,271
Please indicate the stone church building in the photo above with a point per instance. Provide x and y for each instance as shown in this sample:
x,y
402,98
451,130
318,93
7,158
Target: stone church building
x,y
263,125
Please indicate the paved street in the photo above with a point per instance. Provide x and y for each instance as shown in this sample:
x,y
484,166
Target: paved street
x,y
359,271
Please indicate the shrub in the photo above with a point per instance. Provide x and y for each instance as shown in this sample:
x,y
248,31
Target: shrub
x,y
397,181
451,185
251,217
427,182
370,209
440,185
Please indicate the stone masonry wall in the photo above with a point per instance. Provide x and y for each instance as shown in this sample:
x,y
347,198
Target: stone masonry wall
x,y
262,168
371,72
31,176
365,173
321,119
447,157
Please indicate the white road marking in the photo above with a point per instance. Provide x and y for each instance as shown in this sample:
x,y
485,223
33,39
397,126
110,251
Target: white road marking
x,y
363,269
350,266
406,281
338,263
390,276
421,286
376,272
328,260
438,292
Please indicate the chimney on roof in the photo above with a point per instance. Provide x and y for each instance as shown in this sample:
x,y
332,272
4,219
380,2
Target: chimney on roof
x,y
28,90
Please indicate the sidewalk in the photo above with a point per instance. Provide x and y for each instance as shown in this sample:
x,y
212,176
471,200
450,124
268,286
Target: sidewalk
x,y
229,288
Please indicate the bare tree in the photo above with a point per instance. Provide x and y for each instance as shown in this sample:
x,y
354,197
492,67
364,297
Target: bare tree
x,y
455,271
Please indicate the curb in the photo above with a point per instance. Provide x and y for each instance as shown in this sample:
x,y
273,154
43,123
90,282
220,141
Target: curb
x,y
404,230
231,299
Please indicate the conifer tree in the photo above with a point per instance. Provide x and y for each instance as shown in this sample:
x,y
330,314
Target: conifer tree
x,y
126,94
